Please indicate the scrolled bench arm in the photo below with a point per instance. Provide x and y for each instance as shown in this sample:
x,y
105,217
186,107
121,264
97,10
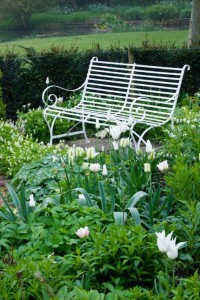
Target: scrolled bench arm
x,y
52,99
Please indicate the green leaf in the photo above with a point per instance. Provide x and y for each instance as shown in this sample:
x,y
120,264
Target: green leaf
x,y
4,243
14,197
120,217
135,215
103,197
7,217
135,198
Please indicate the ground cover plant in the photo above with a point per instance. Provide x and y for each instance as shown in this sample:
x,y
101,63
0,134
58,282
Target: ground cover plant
x,y
108,224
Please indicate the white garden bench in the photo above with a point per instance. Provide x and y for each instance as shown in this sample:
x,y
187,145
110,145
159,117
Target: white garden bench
x,y
129,93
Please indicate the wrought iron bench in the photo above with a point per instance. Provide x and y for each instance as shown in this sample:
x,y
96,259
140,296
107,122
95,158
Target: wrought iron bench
x,y
129,93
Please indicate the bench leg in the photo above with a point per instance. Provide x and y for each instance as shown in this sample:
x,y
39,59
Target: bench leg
x,y
84,133
134,134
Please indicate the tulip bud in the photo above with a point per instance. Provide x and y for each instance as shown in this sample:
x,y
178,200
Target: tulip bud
x,y
31,201
149,147
83,232
147,168
105,171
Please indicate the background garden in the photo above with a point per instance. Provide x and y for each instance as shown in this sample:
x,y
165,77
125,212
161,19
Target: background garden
x,y
93,223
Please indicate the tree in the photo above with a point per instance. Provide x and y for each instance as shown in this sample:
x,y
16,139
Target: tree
x,y
194,30
22,10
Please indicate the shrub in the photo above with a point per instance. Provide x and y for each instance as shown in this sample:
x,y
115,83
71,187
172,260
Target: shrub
x,y
16,149
2,105
161,12
134,13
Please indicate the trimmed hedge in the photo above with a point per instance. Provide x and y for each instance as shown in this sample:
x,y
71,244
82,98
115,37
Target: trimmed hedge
x,y
24,77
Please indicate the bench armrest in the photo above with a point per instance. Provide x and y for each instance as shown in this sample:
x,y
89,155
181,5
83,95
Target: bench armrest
x,y
51,99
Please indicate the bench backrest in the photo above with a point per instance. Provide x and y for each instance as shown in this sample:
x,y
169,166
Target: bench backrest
x,y
120,86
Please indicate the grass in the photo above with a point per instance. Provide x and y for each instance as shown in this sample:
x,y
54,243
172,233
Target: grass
x,y
106,40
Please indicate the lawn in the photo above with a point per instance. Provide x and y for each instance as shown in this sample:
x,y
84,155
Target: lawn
x,y
106,40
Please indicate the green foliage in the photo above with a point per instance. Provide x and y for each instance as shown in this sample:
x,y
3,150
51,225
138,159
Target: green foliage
x,y
22,11
161,12
2,105
183,144
33,124
17,149
188,289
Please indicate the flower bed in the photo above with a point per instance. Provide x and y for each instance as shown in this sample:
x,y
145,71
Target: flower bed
x,y
117,224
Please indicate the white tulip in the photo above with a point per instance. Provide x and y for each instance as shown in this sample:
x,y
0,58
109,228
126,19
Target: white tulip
x,y
32,202
115,131
115,145
163,242
47,80
83,232
147,168
90,152
172,253
163,166
149,147
95,167
104,171
124,142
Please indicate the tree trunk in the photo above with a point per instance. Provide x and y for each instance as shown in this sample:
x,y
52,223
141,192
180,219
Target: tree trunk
x,y
194,30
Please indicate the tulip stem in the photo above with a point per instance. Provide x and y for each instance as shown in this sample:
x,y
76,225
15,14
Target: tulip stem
x,y
167,277
173,276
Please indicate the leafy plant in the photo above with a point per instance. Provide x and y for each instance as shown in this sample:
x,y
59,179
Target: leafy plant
x,y
19,208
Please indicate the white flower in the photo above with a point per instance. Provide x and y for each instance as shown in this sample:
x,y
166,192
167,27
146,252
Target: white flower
x,y
115,145
83,232
168,246
90,152
47,80
172,253
60,100
101,134
85,165
163,242
123,127
115,131
31,201
163,166
79,151
104,171
147,168
97,124
95,167
81,199
124,142
149,147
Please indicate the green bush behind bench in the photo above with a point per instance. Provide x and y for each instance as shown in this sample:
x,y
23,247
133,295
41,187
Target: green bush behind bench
x,y
24,77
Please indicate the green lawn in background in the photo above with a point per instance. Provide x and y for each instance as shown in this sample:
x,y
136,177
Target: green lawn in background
x,y
106,40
